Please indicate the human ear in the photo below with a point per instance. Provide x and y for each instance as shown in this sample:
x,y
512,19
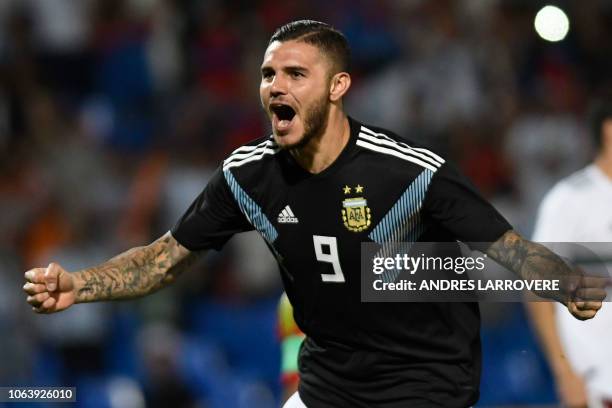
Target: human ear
x,y
339,85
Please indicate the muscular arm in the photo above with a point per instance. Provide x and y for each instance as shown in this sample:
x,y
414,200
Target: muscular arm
x,y
527,259
530,261
134,273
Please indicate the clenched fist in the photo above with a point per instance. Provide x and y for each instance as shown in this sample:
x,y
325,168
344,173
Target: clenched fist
x,y
587,298
49,289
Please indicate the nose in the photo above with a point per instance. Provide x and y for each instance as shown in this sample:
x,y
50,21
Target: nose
x,y
278,86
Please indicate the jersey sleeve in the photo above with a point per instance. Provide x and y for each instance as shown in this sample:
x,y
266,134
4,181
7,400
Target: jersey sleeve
x,y
454,202
212,219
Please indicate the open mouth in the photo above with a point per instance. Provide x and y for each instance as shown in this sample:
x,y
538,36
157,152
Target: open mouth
x,y
282,116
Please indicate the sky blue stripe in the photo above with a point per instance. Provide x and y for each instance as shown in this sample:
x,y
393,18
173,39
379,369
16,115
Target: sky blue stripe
x,y
250,209
401,222
401,226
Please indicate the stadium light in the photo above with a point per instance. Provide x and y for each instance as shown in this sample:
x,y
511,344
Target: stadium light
x,y
551,23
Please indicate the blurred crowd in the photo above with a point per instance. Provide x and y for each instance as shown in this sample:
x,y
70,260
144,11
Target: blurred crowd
x,y
113,114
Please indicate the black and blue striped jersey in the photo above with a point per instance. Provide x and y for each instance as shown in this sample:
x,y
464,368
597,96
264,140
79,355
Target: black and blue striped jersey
x,y
380,189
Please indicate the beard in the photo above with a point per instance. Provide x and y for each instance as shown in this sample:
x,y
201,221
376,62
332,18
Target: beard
x,y
315,122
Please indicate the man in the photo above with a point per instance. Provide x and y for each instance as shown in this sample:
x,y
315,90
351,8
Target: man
x,y
315,190
578,209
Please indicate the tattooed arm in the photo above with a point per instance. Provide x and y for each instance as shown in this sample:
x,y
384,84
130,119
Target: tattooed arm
x,y
134,273
530,261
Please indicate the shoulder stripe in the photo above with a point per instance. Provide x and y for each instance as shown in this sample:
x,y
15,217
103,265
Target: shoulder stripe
x,y
257,155
244,149
260,148
393,152
392,144
246,154
418,151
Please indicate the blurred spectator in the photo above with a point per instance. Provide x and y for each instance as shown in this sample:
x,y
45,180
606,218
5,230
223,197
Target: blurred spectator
x,y
160,346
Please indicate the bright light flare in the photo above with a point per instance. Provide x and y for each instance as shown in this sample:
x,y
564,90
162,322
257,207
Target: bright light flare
x,y
551,23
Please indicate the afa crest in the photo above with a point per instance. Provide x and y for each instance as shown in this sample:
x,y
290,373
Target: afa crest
x,y
356,214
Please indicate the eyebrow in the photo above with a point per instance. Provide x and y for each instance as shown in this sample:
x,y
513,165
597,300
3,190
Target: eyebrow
x,y
295,68
266,68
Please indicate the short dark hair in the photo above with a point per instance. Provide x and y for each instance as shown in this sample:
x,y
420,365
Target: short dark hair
x,y
330,41
600,111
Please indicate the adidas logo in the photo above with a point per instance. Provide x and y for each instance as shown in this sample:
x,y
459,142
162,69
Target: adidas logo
x,y
287,217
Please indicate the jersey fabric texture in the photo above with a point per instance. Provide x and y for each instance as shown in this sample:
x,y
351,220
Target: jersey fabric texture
x,y
577,209
379,189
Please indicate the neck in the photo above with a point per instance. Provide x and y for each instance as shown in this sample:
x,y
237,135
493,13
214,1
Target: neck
x,y
320,152
604,163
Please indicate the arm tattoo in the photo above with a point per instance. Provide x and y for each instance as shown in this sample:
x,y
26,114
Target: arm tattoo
x,y
532,261
134,273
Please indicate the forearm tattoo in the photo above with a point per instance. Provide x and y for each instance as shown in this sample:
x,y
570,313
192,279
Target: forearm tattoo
x,y
134,273
530,260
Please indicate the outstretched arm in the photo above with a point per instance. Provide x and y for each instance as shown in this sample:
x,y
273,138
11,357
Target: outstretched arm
x,y
134,273
582,295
